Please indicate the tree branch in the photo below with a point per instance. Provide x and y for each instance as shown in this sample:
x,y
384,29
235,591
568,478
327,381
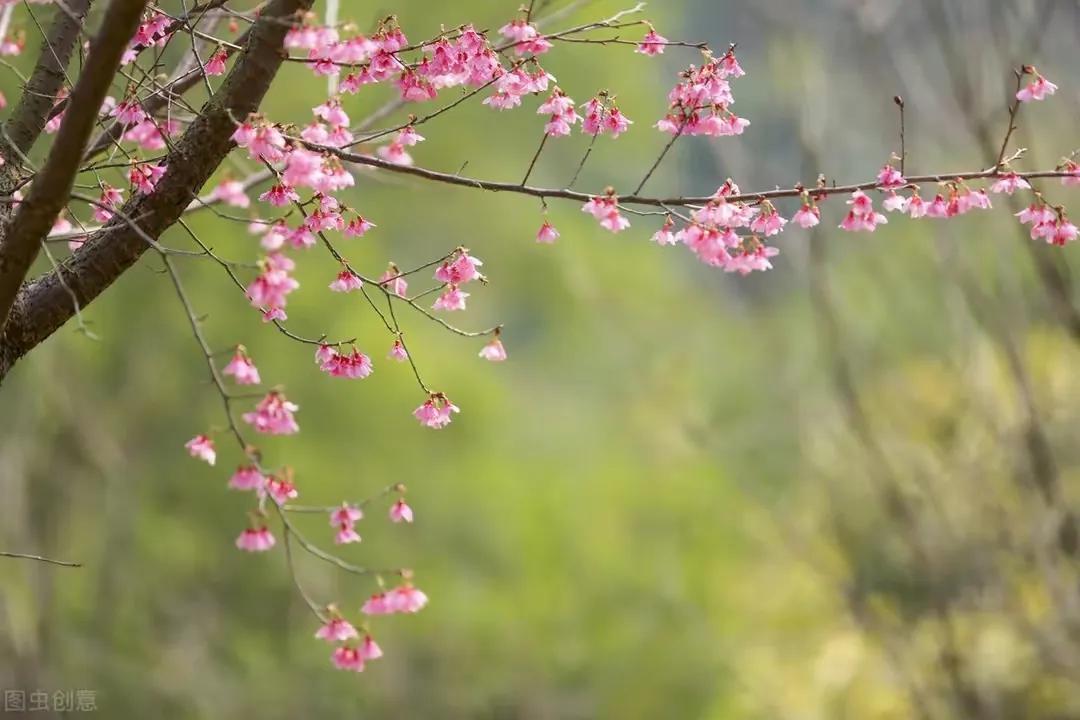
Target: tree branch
x,y
51,186
28,119
44,305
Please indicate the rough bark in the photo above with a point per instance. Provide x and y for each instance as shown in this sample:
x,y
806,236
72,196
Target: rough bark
x,y
52,185
44,304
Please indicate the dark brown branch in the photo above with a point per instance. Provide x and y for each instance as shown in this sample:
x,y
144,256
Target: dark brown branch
x,y
49,192
28,119
44,305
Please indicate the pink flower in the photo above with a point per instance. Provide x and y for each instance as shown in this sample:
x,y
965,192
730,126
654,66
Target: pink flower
x,y
1073,178
202,447
336,629
1036,214
916,207
346,534
255,539
664,236
402,599
547,234
652,44
1064,232
281,489
346,281
807,217
231,192
436,411
401,512
768,222
938,207
369,649
460,270
493,351
890,179
331,112
861,217
242,369
394,281
1038,89
398,352
346,514
352,366
606,210
273,415
216,64
247,477
1009,183
616,123
145,177
348,658
452,299
279,196
358,227
894,202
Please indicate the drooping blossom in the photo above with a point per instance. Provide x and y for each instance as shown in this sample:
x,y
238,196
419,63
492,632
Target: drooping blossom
x,y
258,539
231,192
402,599
398,352
247,477
216,64
450,300
807,217
1009,183
353,365
242,369
547,234
394,281
652,44
436,411
862,217
493,351
401,512
346,657
606,210
889,178
460,269
346,281
336,629
665,236
202,447
1038,89
273,415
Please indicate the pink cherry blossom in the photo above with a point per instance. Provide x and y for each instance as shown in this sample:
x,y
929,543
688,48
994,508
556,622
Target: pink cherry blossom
x,y
1038,89
216,64
398,352
807,217
861,217
202,447
348,658
273,415
358,227
346,534
652,44
547,234
394,281
257,539
664,236
452,299
346,513
231,192
1009,183
369,649
436,411
145,177
401,512
242,369
890,178
247,477
336,629
281,489
493,351
346,281
461,269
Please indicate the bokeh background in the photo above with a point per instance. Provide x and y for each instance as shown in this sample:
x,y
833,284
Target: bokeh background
x,y
841,489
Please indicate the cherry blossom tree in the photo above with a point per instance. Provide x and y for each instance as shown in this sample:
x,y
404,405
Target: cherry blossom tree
x,y
122,125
